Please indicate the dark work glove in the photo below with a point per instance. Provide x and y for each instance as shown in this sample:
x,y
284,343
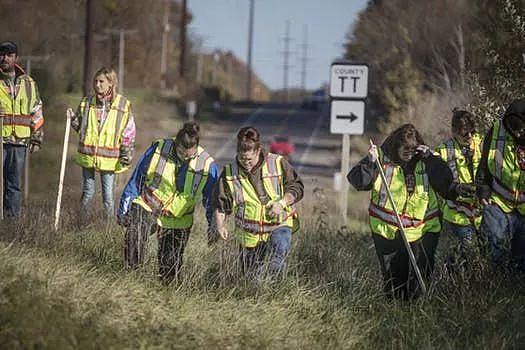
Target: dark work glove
x,y
124,160
465,190
423,151
125,155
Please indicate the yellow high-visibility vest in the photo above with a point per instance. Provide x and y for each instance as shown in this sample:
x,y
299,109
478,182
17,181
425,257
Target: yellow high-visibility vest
x,y
173,208
99,146
16,112
252,222
419,211
462,211
508,180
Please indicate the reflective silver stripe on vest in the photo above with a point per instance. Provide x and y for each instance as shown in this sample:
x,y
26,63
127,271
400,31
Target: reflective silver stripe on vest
x,y
273,174
165,153
383,194
255,227
199,170
120,115
84,123
239,196
29,93
451,158
470,212
511,196
498,153
16,119
390,218
99,151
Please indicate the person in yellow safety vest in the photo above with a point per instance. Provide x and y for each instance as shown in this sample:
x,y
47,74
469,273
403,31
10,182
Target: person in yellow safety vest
x,y
168,182
106,129
501,180
22,129
414,175
260,190
462,152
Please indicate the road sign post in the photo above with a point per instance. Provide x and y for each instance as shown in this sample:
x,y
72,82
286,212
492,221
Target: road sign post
x,y
348,91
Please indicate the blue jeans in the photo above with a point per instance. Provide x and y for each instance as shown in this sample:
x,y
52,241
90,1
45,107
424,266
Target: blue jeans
x,y
278,246
504,230
107,179
14,158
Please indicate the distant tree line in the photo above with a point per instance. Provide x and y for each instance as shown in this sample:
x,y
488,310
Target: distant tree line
x,y
469,51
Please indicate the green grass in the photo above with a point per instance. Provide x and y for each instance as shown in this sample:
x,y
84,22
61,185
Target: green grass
x,y
69,290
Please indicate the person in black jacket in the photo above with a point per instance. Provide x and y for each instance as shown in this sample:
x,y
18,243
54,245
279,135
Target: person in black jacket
x,y
414,175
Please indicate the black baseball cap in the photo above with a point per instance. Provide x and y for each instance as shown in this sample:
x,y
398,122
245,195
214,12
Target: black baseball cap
x,y
8,47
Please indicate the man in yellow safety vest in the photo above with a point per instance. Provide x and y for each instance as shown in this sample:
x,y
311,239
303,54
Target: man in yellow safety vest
x,y
260,190
21,113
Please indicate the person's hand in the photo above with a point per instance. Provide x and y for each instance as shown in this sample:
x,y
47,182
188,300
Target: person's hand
x,y
423,151
124,160
70,114
34,147
466,190
223,232
373,154
275,209
486,202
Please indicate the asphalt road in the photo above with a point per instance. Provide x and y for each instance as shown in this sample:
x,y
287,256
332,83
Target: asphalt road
x,y
317,154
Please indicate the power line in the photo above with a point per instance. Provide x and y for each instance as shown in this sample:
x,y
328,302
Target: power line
x,y
286,56
304,60
249,60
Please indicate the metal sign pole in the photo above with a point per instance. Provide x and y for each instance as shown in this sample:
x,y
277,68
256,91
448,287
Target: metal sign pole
x,y
345,164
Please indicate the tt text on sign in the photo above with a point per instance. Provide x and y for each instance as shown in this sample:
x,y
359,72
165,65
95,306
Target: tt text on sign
x,y
348,81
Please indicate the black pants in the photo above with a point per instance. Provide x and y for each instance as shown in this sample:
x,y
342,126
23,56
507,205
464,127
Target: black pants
x,y
171,243
400,280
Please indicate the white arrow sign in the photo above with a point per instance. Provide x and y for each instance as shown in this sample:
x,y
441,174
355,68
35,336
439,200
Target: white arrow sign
x,y
348,80
347,117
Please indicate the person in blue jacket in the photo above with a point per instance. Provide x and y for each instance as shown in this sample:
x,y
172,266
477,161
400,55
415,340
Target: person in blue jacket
x,y
166,185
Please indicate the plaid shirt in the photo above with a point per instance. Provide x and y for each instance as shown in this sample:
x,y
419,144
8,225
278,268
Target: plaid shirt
x,y
37,118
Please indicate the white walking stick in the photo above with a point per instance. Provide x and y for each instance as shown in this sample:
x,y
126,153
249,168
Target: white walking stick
x,y
401,227
62,171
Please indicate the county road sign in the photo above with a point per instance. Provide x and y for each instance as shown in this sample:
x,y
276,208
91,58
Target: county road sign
x,y
347,117
348,80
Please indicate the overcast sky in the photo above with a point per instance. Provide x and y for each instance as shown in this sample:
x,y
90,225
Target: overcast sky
x,y
224,24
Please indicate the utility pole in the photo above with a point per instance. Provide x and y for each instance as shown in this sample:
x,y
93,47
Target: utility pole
x,y
249,61
164,52
182,38
304,59
88,47
121,53
28,60
286,55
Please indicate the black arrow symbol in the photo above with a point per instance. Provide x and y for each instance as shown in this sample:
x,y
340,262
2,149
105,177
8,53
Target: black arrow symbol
x,y
351,117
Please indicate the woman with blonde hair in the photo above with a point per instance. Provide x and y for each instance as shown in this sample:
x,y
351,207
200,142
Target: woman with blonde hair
x,y
106,129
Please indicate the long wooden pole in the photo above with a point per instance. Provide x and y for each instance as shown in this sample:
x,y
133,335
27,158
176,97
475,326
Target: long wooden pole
x,y
401,227
62,171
